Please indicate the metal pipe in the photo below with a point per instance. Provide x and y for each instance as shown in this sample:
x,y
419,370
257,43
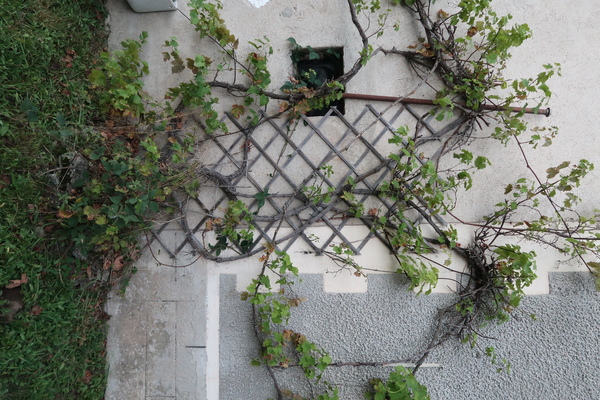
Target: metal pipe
x,y
409,100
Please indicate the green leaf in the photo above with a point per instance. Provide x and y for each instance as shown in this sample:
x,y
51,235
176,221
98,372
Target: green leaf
x,y
465,157
491,58
263,100
200,61
32,116
60,120
552,172
253,89
287,86
443,101
98,152
30,110
482,162
261,197
97,77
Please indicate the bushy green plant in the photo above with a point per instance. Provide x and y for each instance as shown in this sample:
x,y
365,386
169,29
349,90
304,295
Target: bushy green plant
x,y
109,204
118,82
227,229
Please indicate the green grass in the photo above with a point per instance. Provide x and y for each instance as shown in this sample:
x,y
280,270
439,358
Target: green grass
x,y
47,49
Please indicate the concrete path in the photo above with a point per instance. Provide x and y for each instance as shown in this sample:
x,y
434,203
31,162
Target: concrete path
x,y
157,333
157,340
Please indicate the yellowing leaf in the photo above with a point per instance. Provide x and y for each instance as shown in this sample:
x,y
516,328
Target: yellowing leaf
x,y
238,110
65,214
269,247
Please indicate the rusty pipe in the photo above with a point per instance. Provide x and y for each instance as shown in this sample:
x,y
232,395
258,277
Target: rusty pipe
x,y
409,100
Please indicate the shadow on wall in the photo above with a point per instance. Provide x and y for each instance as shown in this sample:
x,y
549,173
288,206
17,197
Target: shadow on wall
x,y
144,6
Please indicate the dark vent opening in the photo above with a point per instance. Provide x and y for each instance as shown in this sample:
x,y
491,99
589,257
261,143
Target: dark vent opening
x,y
317,66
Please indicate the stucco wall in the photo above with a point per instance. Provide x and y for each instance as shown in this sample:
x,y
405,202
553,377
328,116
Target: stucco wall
x,y
561,33
552,357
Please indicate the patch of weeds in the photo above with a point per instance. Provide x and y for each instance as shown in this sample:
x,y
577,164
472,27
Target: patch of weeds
x,y
112,193
124,284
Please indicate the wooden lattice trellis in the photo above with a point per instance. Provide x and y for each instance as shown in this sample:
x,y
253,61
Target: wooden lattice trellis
x,y
288,161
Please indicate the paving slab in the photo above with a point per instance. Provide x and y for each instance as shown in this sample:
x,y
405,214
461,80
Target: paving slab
x,y
126,350
156,341
161,343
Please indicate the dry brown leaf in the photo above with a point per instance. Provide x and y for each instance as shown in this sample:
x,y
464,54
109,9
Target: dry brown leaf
x,y
36,310
68,61
426,52
287,334
17,282
5,180
118,263
87,377
283,106
297,301
472,31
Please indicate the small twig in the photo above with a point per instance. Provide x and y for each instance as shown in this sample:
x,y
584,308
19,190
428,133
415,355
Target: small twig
x,y
168,265
552,203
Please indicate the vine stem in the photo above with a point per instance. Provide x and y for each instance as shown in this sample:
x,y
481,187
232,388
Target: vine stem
x,y
255,313
392,104
344,79
558,233
552,203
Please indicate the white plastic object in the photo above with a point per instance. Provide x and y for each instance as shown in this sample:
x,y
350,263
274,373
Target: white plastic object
x,y
143,6
259,3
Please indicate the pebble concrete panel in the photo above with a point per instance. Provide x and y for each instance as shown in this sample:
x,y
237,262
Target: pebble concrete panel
x,y
552,357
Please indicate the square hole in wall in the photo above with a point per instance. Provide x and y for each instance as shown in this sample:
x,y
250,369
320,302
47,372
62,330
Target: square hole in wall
x,y
317,66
